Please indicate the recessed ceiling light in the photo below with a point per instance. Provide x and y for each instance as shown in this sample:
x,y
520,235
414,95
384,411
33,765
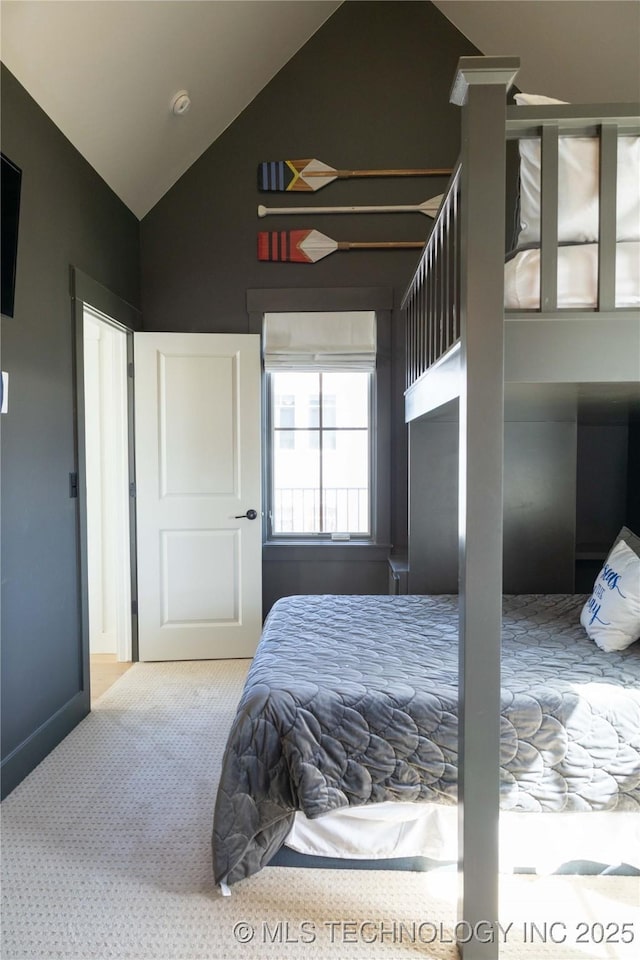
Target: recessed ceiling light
x,y
180,103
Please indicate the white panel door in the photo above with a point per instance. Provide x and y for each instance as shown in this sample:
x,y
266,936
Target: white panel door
x,y
197,431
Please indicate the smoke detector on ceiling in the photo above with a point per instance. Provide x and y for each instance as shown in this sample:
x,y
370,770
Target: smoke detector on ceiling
x,y
180,103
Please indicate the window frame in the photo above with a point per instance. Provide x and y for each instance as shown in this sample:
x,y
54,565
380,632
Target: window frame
x,y
337,299
268,456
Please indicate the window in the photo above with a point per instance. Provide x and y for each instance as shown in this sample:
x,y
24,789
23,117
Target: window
x,y
313,439
320,453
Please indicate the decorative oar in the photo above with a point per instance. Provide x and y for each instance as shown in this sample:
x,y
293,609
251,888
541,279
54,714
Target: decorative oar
x,y
288,175
308,246
429,207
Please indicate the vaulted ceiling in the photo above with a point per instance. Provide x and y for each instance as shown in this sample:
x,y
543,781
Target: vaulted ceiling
x,y
106,72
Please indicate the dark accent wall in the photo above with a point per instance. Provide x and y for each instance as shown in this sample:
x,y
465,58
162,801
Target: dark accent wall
x,y
608,483
68,216
539,503
369,90
571,480
633,475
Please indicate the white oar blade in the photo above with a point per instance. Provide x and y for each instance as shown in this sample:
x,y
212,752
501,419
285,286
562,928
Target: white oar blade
x,y
431,207
311,175
316,246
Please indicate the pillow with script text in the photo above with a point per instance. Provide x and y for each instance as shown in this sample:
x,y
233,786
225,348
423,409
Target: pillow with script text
x,y
611,615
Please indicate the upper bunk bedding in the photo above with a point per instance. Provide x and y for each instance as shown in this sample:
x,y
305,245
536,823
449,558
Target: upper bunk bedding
x,y
577,220
354,700
577,277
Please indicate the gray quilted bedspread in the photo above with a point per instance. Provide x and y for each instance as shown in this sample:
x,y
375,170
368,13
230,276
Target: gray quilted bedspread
x,y
353,700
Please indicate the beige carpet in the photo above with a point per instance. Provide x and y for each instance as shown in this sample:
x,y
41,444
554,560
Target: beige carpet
x,y
106,854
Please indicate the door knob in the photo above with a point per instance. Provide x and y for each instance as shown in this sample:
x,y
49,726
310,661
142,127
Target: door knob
x,y
250,515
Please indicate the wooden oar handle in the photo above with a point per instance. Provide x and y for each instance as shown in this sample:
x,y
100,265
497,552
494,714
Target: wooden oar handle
x,y
345,174
381,245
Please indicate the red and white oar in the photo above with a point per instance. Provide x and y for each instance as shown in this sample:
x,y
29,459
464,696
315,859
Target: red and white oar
x,y
294,175
429,207
309,246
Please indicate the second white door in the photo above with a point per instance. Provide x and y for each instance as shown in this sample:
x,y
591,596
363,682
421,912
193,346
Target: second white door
x,y
198,480
107,478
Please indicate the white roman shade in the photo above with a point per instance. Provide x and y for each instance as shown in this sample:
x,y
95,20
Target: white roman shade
x,y
326,341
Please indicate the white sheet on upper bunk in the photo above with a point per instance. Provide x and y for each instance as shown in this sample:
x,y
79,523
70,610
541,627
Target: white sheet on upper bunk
x,y
578,185
577,277
541,841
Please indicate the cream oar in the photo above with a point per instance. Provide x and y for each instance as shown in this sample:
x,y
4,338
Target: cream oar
x,y
428,207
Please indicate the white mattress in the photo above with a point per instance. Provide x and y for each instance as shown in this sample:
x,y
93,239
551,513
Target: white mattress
x,y
577,277
538,841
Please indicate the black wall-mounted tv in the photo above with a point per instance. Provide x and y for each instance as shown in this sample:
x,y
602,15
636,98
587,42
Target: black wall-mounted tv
x,y
10,184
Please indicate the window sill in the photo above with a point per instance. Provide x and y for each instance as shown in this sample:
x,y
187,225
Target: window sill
x,y
353,550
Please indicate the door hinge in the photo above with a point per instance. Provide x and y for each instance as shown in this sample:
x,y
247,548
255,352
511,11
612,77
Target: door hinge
x,y
130,370
73,484
132,490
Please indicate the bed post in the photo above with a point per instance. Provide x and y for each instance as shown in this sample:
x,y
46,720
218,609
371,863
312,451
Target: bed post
x,y
480,88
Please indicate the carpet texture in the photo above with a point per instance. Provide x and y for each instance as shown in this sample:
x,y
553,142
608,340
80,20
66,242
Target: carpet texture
x,y
106,854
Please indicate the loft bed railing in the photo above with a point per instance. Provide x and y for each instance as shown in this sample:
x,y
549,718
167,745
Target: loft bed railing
x,y
432,301
431,304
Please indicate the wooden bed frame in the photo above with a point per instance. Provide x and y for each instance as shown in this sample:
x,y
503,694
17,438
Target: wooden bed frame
x,y
461,344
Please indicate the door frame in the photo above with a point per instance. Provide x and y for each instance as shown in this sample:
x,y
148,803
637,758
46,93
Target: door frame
x,y
86,292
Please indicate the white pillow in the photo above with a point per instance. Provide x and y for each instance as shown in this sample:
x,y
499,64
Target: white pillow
x,y
611,615
578,186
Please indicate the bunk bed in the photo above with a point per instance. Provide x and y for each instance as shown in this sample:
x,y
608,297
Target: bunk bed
x,y
354,702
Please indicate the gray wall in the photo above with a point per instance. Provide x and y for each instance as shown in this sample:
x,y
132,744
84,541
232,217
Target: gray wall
x,y
68,217
539,505
608,485
633,474
370,89
433,505
571,480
